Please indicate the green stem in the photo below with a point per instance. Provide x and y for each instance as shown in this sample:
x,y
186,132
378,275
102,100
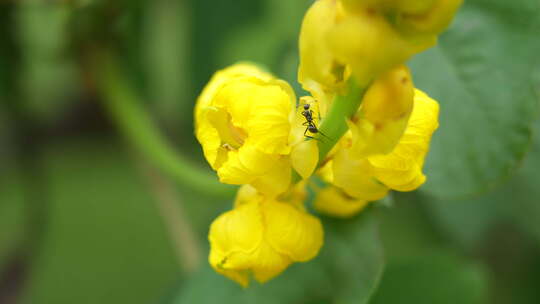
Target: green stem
x,y
124,106
334,124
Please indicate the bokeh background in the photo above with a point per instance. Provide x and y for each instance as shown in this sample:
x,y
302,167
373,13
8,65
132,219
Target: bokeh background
x,y
105,197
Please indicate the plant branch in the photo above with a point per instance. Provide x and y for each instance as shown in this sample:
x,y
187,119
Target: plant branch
x,y
175,218
124,106
334,124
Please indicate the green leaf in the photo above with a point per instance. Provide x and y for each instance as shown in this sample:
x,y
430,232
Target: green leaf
x,y
347,270
468,221
522,194
433,278
353,257
481,73
406,229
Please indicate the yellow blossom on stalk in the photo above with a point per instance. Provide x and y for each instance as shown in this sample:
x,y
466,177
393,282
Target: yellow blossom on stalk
x,y
365,38
261,237
379,126
243,120
370,178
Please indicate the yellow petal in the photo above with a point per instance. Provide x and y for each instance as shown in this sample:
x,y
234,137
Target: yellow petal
x,y
401,180
220,120
356,177
332,201
269,126
317,63
235,97
261,109
366,42
269,263
292,232
390,96
210,141
384,113
234,237
223,76
304,157
275,181
326,172
402,168
429,21
245,165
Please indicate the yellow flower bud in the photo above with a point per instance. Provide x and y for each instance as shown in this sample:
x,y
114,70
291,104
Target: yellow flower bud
x,y
365,41
243,120
318,71
384,113
364,38
333,202
402,169
262,237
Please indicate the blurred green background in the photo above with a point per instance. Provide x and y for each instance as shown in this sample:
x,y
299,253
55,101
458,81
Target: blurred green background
x,y
105,196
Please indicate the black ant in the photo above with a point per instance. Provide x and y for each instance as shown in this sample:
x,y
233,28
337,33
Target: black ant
x,y
310,125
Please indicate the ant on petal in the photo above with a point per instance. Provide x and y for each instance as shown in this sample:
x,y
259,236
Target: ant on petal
x,y
309,123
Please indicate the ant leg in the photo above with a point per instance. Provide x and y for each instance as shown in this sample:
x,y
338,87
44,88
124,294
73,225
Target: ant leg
x,y
324,135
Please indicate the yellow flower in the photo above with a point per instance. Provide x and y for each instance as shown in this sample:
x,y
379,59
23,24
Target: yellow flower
x,y
371,177
332,201
243,120
402,169
261,237
365,38
384,113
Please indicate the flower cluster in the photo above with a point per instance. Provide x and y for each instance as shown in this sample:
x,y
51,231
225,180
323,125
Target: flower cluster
x,y
255,134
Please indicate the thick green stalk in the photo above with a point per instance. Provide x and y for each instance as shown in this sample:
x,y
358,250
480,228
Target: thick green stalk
x,y
334,125
125,108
